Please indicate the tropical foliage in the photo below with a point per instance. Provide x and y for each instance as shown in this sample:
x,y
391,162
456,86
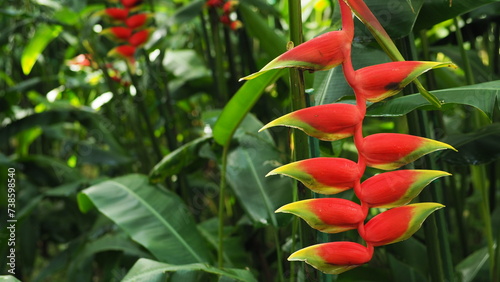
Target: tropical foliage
x,y
136,151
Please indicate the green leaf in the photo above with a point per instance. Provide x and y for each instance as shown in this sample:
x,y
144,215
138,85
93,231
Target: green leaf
x,y
471,265
330,86
481,96
189,11
247,166
43,36
436,11
174,162
9,278
272,42
100,127
149,270
241,103
478,147
155,218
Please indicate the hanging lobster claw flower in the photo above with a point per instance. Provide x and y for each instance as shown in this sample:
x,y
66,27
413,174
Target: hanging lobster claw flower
x,y
137,21
129,4
117,33
390,151
140,37
125,52
334,257
330,215
385,80
326,122
397,224
320,53
396,188
322,175
116,14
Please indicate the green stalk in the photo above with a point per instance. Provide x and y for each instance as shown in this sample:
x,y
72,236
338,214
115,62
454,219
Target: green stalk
x,y
436,238
139,100
222,193
220,78
298,140
478,172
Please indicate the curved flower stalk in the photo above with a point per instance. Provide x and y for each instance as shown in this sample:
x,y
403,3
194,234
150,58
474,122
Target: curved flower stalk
x,y
386,151
128,30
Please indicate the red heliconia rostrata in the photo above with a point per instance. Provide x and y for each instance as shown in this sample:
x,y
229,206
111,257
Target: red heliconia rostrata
x,y
129,29
391,190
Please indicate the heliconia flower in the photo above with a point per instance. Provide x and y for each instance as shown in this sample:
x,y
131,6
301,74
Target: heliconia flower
x,y
322,175
320,53
330,215
82,60
140,37
396,188
397,224
116,13
326,122
225,19
123,51
378,82
137,21
131,3
334,257
230,6
235,25
118,33
390,151
214,3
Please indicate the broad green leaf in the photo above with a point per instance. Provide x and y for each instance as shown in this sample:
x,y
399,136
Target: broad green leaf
x,y
436,11
477,147
330,86
469,268
189,11
150,270
271,41
241,103
247,166
99,127
481,96
43,36
397,17
404,272
155,218
174,162
9,278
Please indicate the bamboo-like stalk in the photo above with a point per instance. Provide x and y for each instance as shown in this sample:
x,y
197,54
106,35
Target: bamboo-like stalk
x,y
479,174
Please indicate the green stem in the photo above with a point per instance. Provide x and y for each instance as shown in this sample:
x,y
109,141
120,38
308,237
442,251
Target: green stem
x,y
222,193
220,78
139,101
478,172
298,140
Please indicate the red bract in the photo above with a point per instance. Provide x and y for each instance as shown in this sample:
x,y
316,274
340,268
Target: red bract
x,y
396,188
378,82
397,224
330,215
130,3
118,33
117,13
334,257
139,38
322,175
392,150
326,122
123,51
230,6
321,53
215,3
137,21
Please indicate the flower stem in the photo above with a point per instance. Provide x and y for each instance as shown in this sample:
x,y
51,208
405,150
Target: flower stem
x,y
222,193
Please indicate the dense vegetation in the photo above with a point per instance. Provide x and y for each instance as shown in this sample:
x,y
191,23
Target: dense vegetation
x,y
147,163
